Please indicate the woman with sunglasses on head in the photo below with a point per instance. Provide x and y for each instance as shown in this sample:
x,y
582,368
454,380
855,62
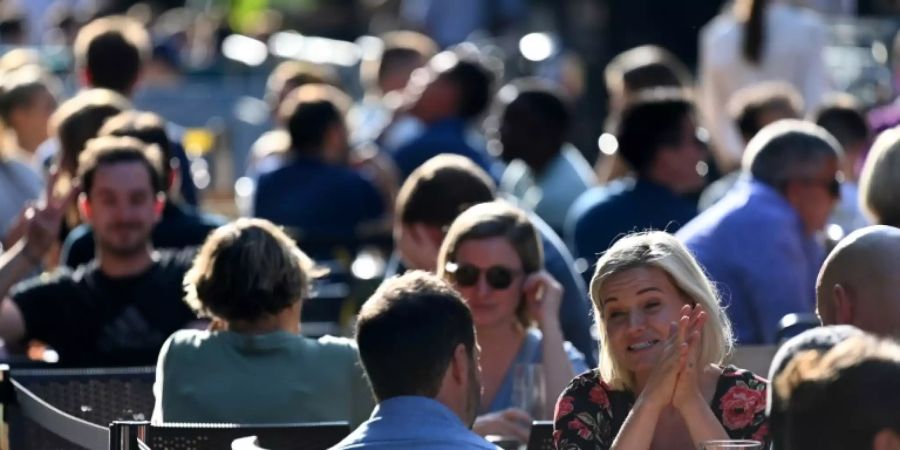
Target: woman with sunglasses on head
x,y
664,336
492,254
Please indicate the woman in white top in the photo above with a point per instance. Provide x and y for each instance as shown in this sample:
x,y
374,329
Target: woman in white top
x,y
757,40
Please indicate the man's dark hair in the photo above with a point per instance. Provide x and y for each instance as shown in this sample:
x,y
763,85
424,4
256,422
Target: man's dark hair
x,y
309,112
20,86
789,150
79,119
544,116
112,50
441,189
475,80
654,120
109,150
290,75
646,67
12,24
843,117
148,127
407,333
749,105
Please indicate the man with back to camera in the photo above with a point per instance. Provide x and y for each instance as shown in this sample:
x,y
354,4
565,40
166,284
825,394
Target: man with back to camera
x,y
417,344
120,308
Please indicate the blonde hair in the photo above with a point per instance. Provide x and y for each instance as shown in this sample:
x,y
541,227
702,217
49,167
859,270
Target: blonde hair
x,y
489,220
662,251
879,181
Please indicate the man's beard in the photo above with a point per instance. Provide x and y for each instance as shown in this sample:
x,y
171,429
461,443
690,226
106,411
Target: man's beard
x,y
132,248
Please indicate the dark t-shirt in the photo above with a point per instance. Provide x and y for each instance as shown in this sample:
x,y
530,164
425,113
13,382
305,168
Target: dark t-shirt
x,y
91,319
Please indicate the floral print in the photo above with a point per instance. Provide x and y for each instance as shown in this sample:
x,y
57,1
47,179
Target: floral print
x,y
590,413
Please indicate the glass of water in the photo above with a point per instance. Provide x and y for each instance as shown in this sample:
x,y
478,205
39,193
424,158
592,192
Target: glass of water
x,y
731,444
528,389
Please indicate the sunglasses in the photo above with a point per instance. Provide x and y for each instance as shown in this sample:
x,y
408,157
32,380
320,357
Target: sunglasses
x,y
467,275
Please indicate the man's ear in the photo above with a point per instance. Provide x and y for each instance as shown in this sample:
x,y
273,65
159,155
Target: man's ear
x,y
84,76
159,203
84,207
844,309
459,365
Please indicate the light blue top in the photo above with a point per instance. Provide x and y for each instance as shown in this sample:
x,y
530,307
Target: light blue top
x,y
753,245
413,423
531,353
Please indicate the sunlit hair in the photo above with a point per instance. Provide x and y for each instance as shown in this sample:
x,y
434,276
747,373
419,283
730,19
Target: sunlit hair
x,y
490,220
879,181
660,250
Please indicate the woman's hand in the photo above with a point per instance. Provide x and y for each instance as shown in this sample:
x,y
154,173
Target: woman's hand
x,y
512,422
687,389
543,296
660,388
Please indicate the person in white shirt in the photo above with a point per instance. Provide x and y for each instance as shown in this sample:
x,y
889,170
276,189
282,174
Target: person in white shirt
x,y
757,40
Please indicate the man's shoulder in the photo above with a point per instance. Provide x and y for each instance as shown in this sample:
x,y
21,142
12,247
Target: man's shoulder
x,y
175,260
61,278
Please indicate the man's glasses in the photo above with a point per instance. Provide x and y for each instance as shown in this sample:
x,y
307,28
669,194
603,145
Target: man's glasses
x,y
466,275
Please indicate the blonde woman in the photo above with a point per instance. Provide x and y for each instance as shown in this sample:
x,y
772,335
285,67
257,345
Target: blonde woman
x,y
493,256
661,382
879,181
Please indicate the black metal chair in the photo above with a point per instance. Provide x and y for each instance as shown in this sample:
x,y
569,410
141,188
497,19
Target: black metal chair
x,y
192,436
63,409
541,437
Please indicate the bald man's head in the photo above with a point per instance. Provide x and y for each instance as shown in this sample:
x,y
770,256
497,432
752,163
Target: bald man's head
x,y
859,284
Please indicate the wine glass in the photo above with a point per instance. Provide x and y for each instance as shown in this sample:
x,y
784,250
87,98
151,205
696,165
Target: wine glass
x,y
731,444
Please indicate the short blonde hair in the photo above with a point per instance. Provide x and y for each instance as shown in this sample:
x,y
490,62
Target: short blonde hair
x,y
660,250
879,181
489,220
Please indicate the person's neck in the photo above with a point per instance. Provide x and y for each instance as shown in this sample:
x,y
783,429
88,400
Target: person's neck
x,y
116,266
29,144
499,338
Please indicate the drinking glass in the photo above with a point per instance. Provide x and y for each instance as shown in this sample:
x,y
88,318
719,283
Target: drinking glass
x,y
528,389
731,444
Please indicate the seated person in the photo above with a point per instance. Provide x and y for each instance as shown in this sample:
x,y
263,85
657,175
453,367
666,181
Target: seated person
x,y
449,93
254,366
181,225
657,135
445,186
543,171
657,381
118,309
493,256
316,193
417,345
860,379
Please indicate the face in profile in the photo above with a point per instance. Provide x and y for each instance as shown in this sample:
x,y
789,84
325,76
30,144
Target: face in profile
x,y
682,158
817,196
489,275
122,207
639,306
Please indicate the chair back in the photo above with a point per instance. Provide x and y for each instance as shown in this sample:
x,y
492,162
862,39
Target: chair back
x,y
541,437
206,436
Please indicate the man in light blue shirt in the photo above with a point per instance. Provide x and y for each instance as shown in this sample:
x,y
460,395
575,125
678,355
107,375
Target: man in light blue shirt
x,y
759,244
417,344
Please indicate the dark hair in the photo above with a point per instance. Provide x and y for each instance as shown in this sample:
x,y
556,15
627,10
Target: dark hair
x,y
401,49
12,23
146,126
309,112
544,115
109,150
113,50
859,377
754,21
748,105
79,119
843,117
407,333
654,120
19,87
789,150
475,80
441,189
246,270
290,75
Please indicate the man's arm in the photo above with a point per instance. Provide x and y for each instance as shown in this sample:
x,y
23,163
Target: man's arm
x,y
15,265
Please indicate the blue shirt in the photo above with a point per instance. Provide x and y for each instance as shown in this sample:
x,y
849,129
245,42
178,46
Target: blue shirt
x,y
531,353
445,136
753,245
602,215
413,423
322,202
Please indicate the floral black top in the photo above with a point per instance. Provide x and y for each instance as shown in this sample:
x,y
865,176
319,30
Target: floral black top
x,y
590,413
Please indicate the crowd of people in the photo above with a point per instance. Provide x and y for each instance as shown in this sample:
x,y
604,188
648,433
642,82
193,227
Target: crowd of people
x,y
723,207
